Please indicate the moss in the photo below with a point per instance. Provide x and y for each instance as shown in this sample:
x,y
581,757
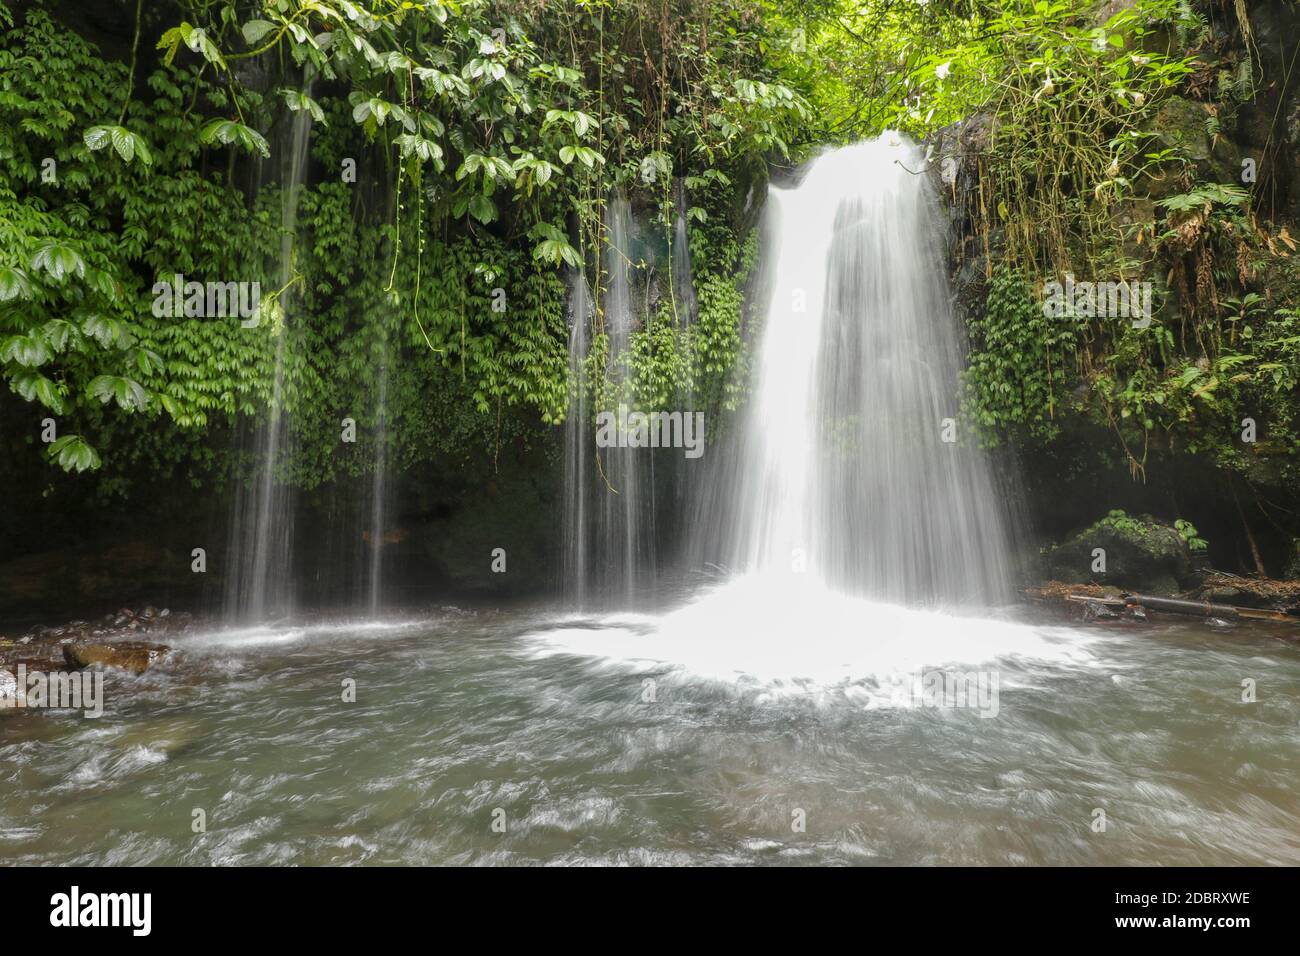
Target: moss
x,y
1141,553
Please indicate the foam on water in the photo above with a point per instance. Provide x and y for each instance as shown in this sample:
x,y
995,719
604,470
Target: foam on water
x,y
777,632
228,639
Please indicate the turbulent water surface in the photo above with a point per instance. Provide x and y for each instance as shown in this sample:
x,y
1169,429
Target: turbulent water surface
x,y
706,734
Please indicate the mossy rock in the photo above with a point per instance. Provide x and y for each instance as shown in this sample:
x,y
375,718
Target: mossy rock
x,y
1141,554
1180,124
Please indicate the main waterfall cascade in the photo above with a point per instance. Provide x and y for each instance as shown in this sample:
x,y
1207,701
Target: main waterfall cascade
x,y
845,467
847,470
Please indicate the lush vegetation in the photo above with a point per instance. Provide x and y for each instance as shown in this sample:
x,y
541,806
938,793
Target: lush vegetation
x,y
413,186
461,154
1110,157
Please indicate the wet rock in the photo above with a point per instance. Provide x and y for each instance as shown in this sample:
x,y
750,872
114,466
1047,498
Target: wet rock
x,y
1140,554
1179,125
133,656
956,155
1101,612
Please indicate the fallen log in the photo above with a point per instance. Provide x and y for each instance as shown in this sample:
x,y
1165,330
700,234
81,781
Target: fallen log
x,y
1151,602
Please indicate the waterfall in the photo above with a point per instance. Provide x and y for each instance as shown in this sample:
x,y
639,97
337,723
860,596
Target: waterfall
x,y
683,283
626,525
609,492
259,576
579,447
850,465
379,475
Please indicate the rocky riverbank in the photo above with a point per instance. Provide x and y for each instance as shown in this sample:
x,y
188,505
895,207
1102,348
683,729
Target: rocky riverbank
x,y
130,640
1104,603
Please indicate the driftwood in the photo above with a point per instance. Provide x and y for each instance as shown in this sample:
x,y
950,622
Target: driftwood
x,y
1194,608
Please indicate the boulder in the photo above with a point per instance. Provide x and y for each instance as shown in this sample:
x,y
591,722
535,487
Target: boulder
x,y
1141,554
133,656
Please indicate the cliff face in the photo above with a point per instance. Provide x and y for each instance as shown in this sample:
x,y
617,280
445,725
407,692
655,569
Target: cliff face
x,y
1233,123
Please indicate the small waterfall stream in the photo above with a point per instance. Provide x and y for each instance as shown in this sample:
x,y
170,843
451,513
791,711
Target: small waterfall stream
x,y
627,513
683,284
260,571
609,529
579,447
378,487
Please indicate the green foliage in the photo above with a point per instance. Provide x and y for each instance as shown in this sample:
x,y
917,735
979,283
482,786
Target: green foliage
x,y
487,138
1123,523
1189,534
1022,363
1096,149
1072,103
483,133
128,145
1143,528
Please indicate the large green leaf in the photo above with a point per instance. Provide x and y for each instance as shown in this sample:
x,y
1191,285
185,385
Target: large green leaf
x,y
14,284
228,132
128,145
58,260
26,350
33,386
128,393
255,30
107,332
73,454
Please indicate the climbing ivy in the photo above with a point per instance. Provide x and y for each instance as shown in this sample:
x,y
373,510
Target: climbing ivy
x,y
481,140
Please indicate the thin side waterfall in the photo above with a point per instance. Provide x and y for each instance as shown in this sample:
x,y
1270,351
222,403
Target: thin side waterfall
x,y
625,485
579,447
259,583
683,282
609,491
621,528
850,466
378,489
684,484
